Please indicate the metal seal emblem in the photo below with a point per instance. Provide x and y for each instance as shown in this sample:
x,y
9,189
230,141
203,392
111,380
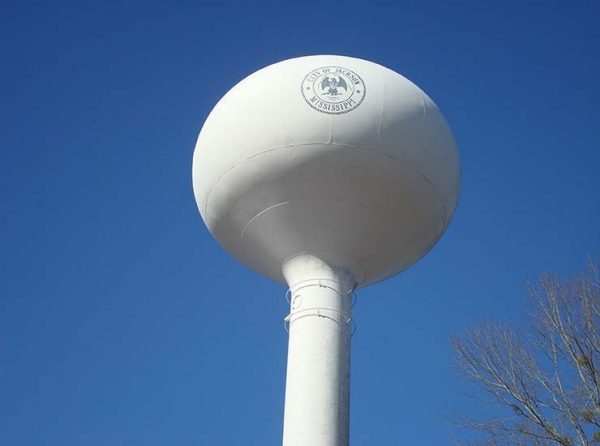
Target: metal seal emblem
x,y
333,90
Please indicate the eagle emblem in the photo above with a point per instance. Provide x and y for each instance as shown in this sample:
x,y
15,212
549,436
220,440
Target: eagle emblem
x,y
330,85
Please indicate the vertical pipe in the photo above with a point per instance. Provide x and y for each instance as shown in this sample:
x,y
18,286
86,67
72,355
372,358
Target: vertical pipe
x,y
318,369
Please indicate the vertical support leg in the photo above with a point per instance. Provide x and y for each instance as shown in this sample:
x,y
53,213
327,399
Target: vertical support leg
x,y
318,370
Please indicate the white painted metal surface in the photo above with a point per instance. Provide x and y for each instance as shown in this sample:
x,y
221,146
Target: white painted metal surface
x,y
318,371
326,173
275,177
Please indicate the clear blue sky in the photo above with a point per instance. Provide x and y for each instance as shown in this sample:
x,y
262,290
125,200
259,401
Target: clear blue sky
x,y
123,323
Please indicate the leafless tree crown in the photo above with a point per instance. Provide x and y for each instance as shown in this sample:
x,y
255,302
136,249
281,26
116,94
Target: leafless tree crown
x,y
546,382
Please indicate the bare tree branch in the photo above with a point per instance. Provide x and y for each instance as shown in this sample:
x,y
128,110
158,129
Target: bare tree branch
x,y
548,385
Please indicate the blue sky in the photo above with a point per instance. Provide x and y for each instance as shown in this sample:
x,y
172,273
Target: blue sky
x,y
122,322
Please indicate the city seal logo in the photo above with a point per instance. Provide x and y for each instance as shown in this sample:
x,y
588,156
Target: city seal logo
x,y
333,90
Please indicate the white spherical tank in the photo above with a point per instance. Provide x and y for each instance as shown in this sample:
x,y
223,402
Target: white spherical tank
x,y
331,156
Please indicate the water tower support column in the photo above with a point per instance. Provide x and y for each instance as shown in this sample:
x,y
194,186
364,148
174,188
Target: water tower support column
x,y
318,369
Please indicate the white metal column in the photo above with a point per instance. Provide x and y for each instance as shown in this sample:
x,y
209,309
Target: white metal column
x,y
318,369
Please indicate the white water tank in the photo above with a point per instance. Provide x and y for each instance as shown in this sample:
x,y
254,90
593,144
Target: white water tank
x,y
326,173
331,156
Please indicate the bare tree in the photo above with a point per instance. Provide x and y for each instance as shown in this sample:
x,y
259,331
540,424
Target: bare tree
x,y
545,383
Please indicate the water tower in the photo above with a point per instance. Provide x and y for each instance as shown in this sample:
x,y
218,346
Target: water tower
x,y
325,173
